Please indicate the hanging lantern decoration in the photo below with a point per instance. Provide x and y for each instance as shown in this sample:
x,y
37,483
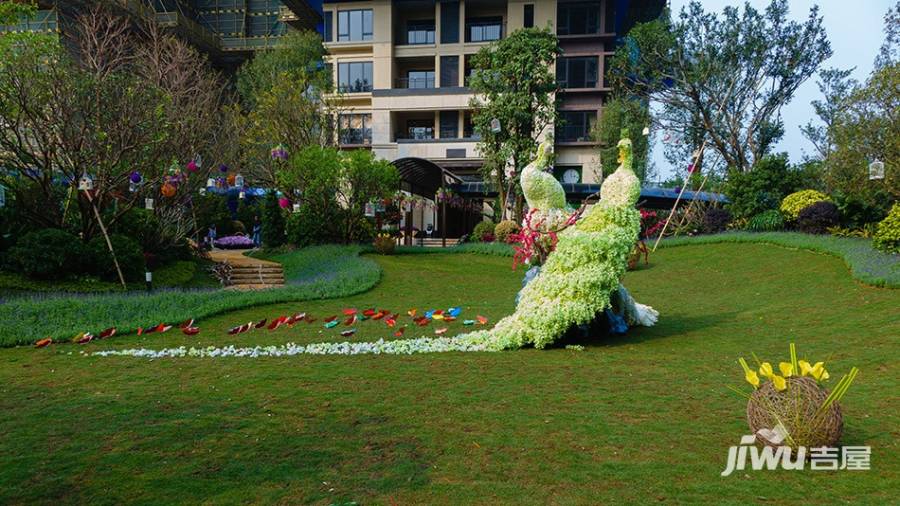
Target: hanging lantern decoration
x,y
230,179
876,170
296,208
135,177
370,210
148,204
210,183
239,181
86,183
223,168
691,168
279,153
284,203
192,166
168,190
242,195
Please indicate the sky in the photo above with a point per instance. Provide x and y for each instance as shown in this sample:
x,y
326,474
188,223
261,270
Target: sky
x,y
855,30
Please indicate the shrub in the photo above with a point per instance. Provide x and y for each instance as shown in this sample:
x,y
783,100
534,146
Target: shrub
x,y
272,222
752,192
384,244
818,218
798,201
129,254
716,220
237,227
887,237
234,242
487,237
768,221
504,229
309,227
49,253
482,229
863,208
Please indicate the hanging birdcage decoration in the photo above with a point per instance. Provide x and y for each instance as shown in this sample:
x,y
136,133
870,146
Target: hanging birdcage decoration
x,y
210,183
85,183
296,208
134,181
370,210
876,170
279,152
495,125
242,195
239,181
148,204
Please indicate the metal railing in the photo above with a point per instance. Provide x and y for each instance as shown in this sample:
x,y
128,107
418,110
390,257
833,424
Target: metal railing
x,y
573,133
415,83
361,136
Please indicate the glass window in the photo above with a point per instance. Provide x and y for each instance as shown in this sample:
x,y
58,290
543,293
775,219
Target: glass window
x,y
449,124
578,18
420,129
529,15
575,126
449,71
356,128
355,25
418,79
355,77
484,29
449,22
327,20
420,32
577,72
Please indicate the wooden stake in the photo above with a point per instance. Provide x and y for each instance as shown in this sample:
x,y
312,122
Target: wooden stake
x,y
108,242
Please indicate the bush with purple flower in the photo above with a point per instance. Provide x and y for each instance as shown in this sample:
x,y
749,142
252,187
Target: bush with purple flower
x,y
234,242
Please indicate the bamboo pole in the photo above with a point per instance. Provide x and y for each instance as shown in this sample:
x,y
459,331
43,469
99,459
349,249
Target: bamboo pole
x,y
678,199
106,236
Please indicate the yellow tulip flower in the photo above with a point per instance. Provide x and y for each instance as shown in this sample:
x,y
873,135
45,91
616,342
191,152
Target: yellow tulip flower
x,y
766,370
817,370
779,382
825,375
752,378
805,368
787,370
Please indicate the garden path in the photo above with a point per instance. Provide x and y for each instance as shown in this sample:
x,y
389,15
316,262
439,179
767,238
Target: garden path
x,y
249,273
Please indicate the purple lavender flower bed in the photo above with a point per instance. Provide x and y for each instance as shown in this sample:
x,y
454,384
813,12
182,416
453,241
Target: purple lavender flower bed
x,y
234,242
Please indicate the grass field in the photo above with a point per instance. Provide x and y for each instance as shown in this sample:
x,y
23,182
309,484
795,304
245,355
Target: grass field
x,y
643,418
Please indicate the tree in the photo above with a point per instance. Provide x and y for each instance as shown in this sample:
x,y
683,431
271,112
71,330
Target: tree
x,y
621,114
835,86
514,84
364,179
272,222
722,78
286,100
763,188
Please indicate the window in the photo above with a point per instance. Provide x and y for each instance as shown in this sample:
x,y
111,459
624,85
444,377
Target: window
x,y
420,32
356,128
449,124
449,71
420,129
577,72
469,127
355,77
418,79
328,19
355,25
610,15
449,22
484,29
529,15
607,68
575,126
578,18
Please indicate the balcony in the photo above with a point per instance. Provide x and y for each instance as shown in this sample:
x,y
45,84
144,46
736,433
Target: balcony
x,y
415,83
356,136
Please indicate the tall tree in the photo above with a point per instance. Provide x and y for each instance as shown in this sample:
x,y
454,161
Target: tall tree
x,y
835,86
287,100
723,78
515,86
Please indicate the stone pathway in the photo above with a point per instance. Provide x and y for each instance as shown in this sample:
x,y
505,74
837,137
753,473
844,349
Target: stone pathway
x,y
249,273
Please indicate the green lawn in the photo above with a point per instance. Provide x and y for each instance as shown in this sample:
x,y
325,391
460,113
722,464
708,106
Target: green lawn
x,y
641,418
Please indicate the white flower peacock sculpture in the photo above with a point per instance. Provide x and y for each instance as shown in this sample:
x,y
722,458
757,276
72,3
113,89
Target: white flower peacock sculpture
x,y
581,277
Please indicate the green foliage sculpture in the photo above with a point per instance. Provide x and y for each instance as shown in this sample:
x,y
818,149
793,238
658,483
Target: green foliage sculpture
x,y
578,278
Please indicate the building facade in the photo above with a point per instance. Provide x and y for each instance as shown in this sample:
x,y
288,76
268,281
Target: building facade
x,y
227,31
402,67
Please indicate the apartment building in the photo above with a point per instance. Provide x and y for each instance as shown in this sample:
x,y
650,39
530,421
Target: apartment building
x,y
402,66
228,31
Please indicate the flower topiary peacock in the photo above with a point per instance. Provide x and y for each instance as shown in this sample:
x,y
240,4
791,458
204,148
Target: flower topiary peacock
x,y
579,278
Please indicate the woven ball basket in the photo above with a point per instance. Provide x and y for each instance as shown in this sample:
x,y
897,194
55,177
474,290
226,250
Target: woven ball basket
x,y
796,408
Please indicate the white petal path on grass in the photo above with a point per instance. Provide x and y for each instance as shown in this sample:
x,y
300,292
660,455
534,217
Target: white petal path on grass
x,y
398,347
